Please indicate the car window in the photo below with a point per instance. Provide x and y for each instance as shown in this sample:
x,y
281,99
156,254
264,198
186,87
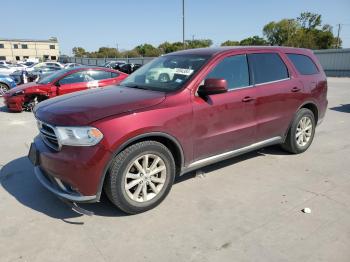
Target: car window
x,y
267,67
77,77
234,69
303,64
115,75
99,74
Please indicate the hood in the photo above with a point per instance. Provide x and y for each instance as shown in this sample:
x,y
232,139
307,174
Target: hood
x,y
83,108
24,87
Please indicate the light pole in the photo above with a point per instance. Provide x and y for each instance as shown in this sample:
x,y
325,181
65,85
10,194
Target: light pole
x,y
183,23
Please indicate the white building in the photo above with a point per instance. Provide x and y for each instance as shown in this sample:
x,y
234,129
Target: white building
x,y
20,49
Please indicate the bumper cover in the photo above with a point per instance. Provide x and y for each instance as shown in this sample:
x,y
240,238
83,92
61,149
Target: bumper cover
x,y
58,188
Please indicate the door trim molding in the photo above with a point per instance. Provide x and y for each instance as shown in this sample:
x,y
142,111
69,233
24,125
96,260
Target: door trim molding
x,y
229,154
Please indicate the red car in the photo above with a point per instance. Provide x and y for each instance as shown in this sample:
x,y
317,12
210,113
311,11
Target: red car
x,y
26,96
177,113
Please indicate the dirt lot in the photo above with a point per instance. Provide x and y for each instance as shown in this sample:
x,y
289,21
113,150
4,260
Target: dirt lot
x,y
245,209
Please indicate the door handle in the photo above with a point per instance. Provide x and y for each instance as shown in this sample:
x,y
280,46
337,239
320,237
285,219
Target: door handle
x,y
247,99
295,89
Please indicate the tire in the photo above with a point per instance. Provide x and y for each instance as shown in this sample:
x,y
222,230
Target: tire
x,y
163,78
292,144
118,185
3,89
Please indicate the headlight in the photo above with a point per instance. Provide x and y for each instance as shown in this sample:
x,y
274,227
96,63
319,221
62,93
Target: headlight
x,y
78,136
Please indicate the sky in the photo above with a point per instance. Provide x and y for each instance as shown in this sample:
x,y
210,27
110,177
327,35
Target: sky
x,y
126,24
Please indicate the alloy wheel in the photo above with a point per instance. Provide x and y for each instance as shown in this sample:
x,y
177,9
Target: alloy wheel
x,y
3,89
145,177
304,131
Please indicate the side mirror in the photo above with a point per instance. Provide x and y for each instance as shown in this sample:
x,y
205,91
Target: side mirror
x,y
57,84
212,86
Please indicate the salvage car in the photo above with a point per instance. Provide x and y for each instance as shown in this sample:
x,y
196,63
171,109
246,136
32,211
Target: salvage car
x,y
6,83
26,96
132,140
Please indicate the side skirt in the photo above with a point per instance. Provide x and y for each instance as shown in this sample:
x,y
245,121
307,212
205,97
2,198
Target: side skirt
x,y
213,159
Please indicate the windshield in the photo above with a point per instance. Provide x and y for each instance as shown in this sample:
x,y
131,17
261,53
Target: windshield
x,y
51,77
166,73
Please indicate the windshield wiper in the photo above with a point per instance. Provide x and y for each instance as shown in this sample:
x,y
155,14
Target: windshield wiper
x,y
136,86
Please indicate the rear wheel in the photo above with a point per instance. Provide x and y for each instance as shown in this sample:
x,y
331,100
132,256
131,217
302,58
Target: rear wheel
x,y
3,89
301,132
140,177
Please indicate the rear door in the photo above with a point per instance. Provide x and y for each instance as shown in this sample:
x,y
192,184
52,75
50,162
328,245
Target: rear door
x,y
278,94
224,122
75,82
103,78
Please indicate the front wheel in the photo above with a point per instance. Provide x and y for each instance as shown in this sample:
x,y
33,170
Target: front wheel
x,y
140,177
301,132
3,89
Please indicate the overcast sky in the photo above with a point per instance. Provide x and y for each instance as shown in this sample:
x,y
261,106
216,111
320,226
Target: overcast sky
x,y
92,24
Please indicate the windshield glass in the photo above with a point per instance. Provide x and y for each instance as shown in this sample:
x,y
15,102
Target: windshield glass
x,y
166,73
51,77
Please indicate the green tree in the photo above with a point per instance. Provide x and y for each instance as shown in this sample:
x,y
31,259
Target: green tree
x,y
230,43
305,31
198,43
147,50
167,47
254,40
79,52
308,20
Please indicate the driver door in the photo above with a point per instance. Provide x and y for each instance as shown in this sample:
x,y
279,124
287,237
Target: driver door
x,y
225,122
75,82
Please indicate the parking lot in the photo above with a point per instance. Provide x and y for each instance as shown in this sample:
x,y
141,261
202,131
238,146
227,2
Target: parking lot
x,y
244,209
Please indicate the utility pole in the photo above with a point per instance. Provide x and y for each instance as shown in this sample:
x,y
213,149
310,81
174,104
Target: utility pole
x,y
338,36
183,23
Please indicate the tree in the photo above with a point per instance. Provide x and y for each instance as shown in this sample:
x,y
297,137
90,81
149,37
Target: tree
x,y
308,20
230,43
147,50
254,40
79,52
198,43
280,33
305,31
167,47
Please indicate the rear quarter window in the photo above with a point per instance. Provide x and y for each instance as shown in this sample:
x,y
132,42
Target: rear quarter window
x,y
303,64
267,67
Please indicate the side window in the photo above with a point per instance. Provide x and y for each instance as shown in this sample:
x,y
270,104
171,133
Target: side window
x,y
267,67
115,75
234,69
303,64
99,74
77,77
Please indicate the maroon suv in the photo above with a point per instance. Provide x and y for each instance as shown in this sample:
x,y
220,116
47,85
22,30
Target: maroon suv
x,y
177,113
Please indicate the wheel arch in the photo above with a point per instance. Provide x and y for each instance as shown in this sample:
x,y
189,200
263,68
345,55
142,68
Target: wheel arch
x,y
309,105
313,107
168,140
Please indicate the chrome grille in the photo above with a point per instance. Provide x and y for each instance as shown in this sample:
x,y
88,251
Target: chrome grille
x,y
48,135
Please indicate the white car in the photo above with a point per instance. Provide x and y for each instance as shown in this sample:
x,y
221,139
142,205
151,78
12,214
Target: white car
x,y
71,65
166,74
44,64
6,70
3,62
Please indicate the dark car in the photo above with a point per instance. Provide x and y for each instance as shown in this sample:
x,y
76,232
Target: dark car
x,y
64,81
133,139
114,64
129,68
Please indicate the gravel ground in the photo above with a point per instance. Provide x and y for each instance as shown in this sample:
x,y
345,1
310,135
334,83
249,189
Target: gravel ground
x,y
244,209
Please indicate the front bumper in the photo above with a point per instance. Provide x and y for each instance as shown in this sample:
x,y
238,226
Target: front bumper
x,y
14,103
56,186
73,173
